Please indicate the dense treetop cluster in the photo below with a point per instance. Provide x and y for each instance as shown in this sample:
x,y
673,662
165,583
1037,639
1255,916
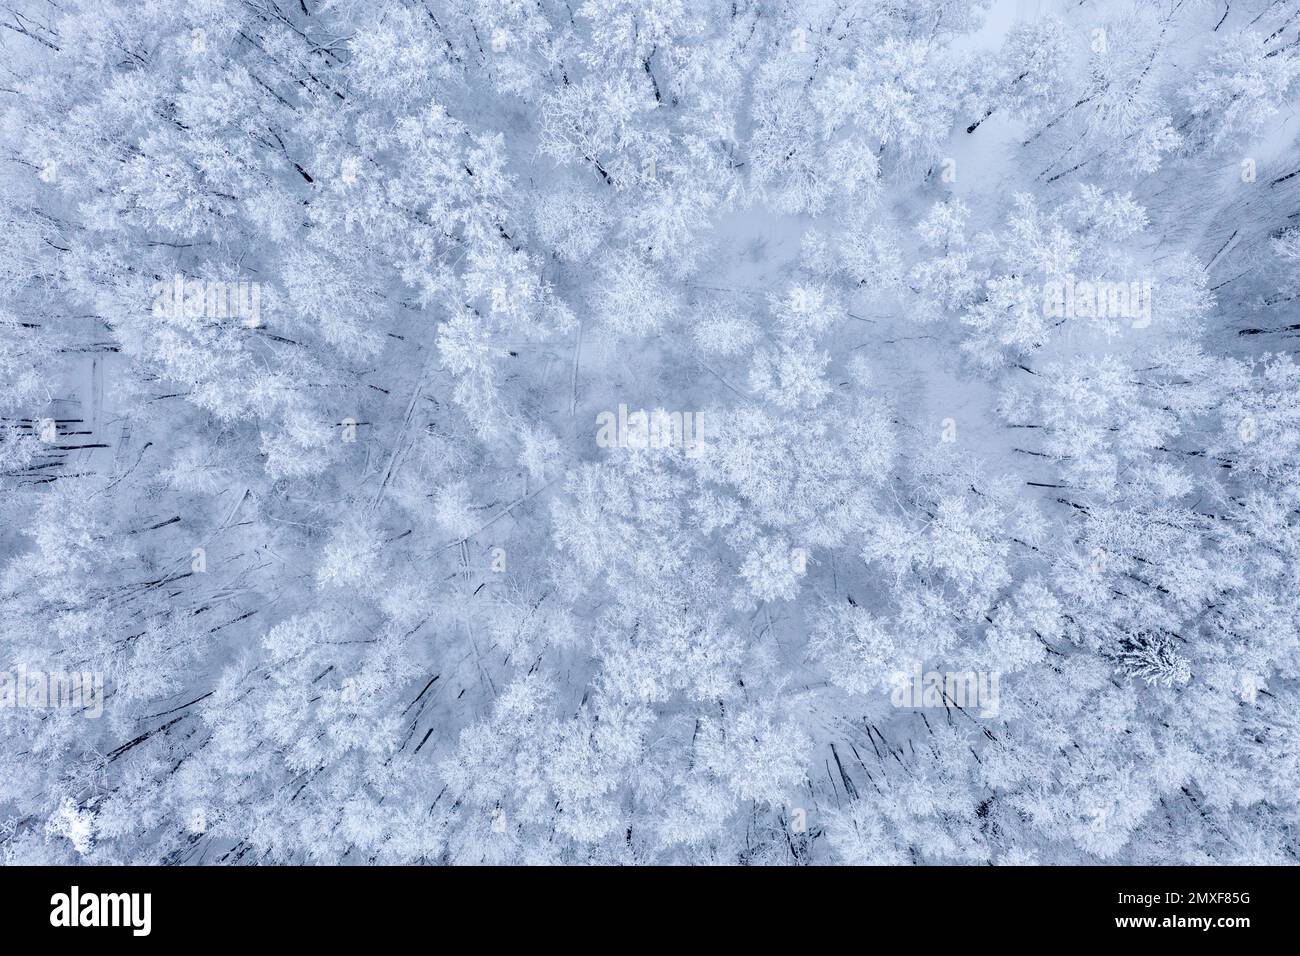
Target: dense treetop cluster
x,y
309,310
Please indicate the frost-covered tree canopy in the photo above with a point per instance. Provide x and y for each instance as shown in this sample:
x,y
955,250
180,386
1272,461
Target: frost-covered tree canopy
x,y
649,431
